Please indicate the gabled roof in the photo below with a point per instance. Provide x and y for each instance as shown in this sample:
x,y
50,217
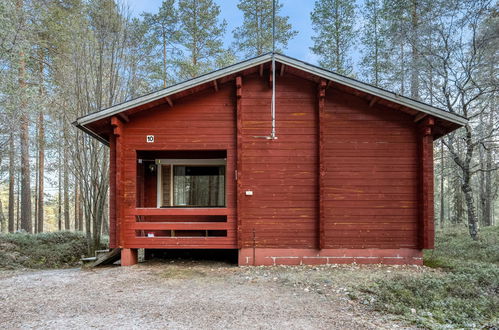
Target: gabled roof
x,y
82,122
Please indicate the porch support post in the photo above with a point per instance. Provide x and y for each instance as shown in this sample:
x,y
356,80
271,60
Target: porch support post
x,y
115,166
426,211
321,96
112,191
129,257
239,163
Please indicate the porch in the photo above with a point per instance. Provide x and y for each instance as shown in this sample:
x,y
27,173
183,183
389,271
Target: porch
x,y
182,199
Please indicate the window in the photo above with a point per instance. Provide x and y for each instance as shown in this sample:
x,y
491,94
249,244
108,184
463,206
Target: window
x,y
191,183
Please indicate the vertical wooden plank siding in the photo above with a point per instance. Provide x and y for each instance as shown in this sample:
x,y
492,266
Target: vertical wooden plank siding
x,y
426,208
321,170
239,158
112,191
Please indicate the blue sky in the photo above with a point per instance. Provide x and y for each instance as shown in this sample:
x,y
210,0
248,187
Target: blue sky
x,y
297,10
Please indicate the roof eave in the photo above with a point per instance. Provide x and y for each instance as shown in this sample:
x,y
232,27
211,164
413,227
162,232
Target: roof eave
x,y
91,133
173,89
306,67
390,96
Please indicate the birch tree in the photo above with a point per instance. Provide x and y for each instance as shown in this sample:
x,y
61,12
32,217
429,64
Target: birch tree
x,y
458,63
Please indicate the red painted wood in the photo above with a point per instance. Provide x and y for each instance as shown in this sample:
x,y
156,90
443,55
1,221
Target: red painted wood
x,y
340,175
117,127
129,257
239,158
322,168
371,191
426,207
179,225
112,192
149,182
180,211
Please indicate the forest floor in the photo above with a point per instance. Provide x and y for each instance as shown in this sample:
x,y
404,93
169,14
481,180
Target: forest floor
x,y
193,294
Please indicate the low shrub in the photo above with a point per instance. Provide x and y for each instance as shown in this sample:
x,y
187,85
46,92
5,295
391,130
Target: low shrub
x,y
464,294
43,250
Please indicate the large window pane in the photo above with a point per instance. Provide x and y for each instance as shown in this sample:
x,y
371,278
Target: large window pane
x,y
199,186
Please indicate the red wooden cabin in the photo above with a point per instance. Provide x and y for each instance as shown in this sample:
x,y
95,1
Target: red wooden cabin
x,y
347,178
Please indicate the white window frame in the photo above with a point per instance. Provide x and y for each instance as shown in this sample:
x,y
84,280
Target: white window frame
x,y
183,162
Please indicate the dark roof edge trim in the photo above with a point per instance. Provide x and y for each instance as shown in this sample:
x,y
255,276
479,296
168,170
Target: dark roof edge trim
x,y
373,90
91,133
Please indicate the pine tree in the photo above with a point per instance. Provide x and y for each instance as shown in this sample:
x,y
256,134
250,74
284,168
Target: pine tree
x,y
374,65
254,37
201,35
332,22
164,33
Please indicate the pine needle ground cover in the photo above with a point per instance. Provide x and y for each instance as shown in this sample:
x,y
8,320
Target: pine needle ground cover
x,y
463,294
43,250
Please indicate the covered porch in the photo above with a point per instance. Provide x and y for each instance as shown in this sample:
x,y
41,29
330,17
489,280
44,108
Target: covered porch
x,y
181,199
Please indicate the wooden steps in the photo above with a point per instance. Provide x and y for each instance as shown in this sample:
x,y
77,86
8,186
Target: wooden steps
x,y
102,257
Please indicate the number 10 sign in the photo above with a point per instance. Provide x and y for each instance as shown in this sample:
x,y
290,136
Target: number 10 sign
x,y
150,139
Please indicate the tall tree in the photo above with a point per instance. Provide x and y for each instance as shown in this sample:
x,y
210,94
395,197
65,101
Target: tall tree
x,y
41,150
26,220
332,21
201,35
459,62
164,32
374,34
254,36
12,184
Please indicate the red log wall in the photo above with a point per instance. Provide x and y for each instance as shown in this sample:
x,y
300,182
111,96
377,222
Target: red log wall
x,y
369,166
371,159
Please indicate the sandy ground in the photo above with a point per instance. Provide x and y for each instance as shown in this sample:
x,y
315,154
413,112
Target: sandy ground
x,y
190,295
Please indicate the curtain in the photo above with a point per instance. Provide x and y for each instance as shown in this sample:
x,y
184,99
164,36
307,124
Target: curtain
x,y
199,186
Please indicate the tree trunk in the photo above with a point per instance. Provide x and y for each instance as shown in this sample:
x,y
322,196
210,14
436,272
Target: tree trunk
x,y
76,202
3,220
67,225
470,203
18,202
12,183
26,221
164,60
59,182
41,154
487,198
41,170
35,195
79,207
442,195
414,51
466,186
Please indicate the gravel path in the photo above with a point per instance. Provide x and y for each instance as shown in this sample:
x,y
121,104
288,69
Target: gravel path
x,y
158,295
